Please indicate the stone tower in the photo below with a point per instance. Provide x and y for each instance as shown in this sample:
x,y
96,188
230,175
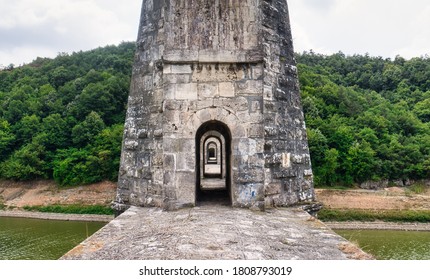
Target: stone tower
x,y
214,108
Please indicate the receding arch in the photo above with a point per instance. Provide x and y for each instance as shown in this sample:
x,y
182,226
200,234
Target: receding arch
x,y
213,176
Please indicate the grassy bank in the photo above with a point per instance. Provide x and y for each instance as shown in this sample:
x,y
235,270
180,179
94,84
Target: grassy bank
x,y
72,209
410,216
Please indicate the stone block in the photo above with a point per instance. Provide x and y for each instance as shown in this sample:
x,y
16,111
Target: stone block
x,y
157,160
273,189
177,78
181,69
186,91
226,89
181,55
167,69
169,91
207,90
247,175
270,131
247,194
185,182
257,71
225,56
185,162
169,162
249,87
131,145
255,105
308,172
238,104
148,82
286,160
286,173
256,131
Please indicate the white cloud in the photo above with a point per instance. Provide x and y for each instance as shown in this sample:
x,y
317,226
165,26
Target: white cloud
x,y
63,26
377,27
32,28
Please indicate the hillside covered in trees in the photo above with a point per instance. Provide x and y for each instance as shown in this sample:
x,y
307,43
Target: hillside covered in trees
x,y
368,118
63,118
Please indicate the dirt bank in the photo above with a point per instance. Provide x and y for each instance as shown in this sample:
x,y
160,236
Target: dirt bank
x,y
44,192
15,195
394,198
386,199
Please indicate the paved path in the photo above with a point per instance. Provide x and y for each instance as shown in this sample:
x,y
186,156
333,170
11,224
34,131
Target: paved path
x,y
215,232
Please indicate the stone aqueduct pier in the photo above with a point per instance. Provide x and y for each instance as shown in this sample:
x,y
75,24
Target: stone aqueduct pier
x,y
214,108
214,112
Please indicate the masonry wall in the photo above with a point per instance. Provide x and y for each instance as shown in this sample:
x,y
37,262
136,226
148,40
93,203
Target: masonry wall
x,y
229,61
288,172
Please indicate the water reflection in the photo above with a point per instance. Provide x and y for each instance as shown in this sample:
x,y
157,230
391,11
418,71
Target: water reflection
x,y
32,239
391,245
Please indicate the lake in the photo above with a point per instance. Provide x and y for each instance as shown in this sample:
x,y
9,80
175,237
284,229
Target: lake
x,y
33,239
391,245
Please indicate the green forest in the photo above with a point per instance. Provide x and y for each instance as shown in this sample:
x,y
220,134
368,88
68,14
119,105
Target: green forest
x,y
368,118
63,118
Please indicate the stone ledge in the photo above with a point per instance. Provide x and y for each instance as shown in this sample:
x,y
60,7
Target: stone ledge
x,y
210,56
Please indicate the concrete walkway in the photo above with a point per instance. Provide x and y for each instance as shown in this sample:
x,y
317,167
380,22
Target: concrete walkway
x,y
215,232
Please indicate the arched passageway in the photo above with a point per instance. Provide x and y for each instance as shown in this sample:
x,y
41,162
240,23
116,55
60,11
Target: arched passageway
x,y
213,163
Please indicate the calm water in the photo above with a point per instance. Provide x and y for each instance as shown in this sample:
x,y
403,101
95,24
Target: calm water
x,y
32,239
391,245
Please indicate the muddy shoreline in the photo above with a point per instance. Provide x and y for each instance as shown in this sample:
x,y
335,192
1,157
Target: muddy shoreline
x,y
353,225
378,226
56,216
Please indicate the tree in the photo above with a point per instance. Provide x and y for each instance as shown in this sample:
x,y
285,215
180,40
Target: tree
x,y
361,162
6,139
56,130
63,104
25,164
422,110
26,128
107,147
329,174
60,76
372,111
84,133
317,146
75,166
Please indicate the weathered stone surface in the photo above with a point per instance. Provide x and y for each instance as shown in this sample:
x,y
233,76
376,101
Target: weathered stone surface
x,y
215,66
214,233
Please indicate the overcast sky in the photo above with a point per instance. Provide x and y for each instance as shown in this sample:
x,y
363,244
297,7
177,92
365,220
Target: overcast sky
x,y
32,28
